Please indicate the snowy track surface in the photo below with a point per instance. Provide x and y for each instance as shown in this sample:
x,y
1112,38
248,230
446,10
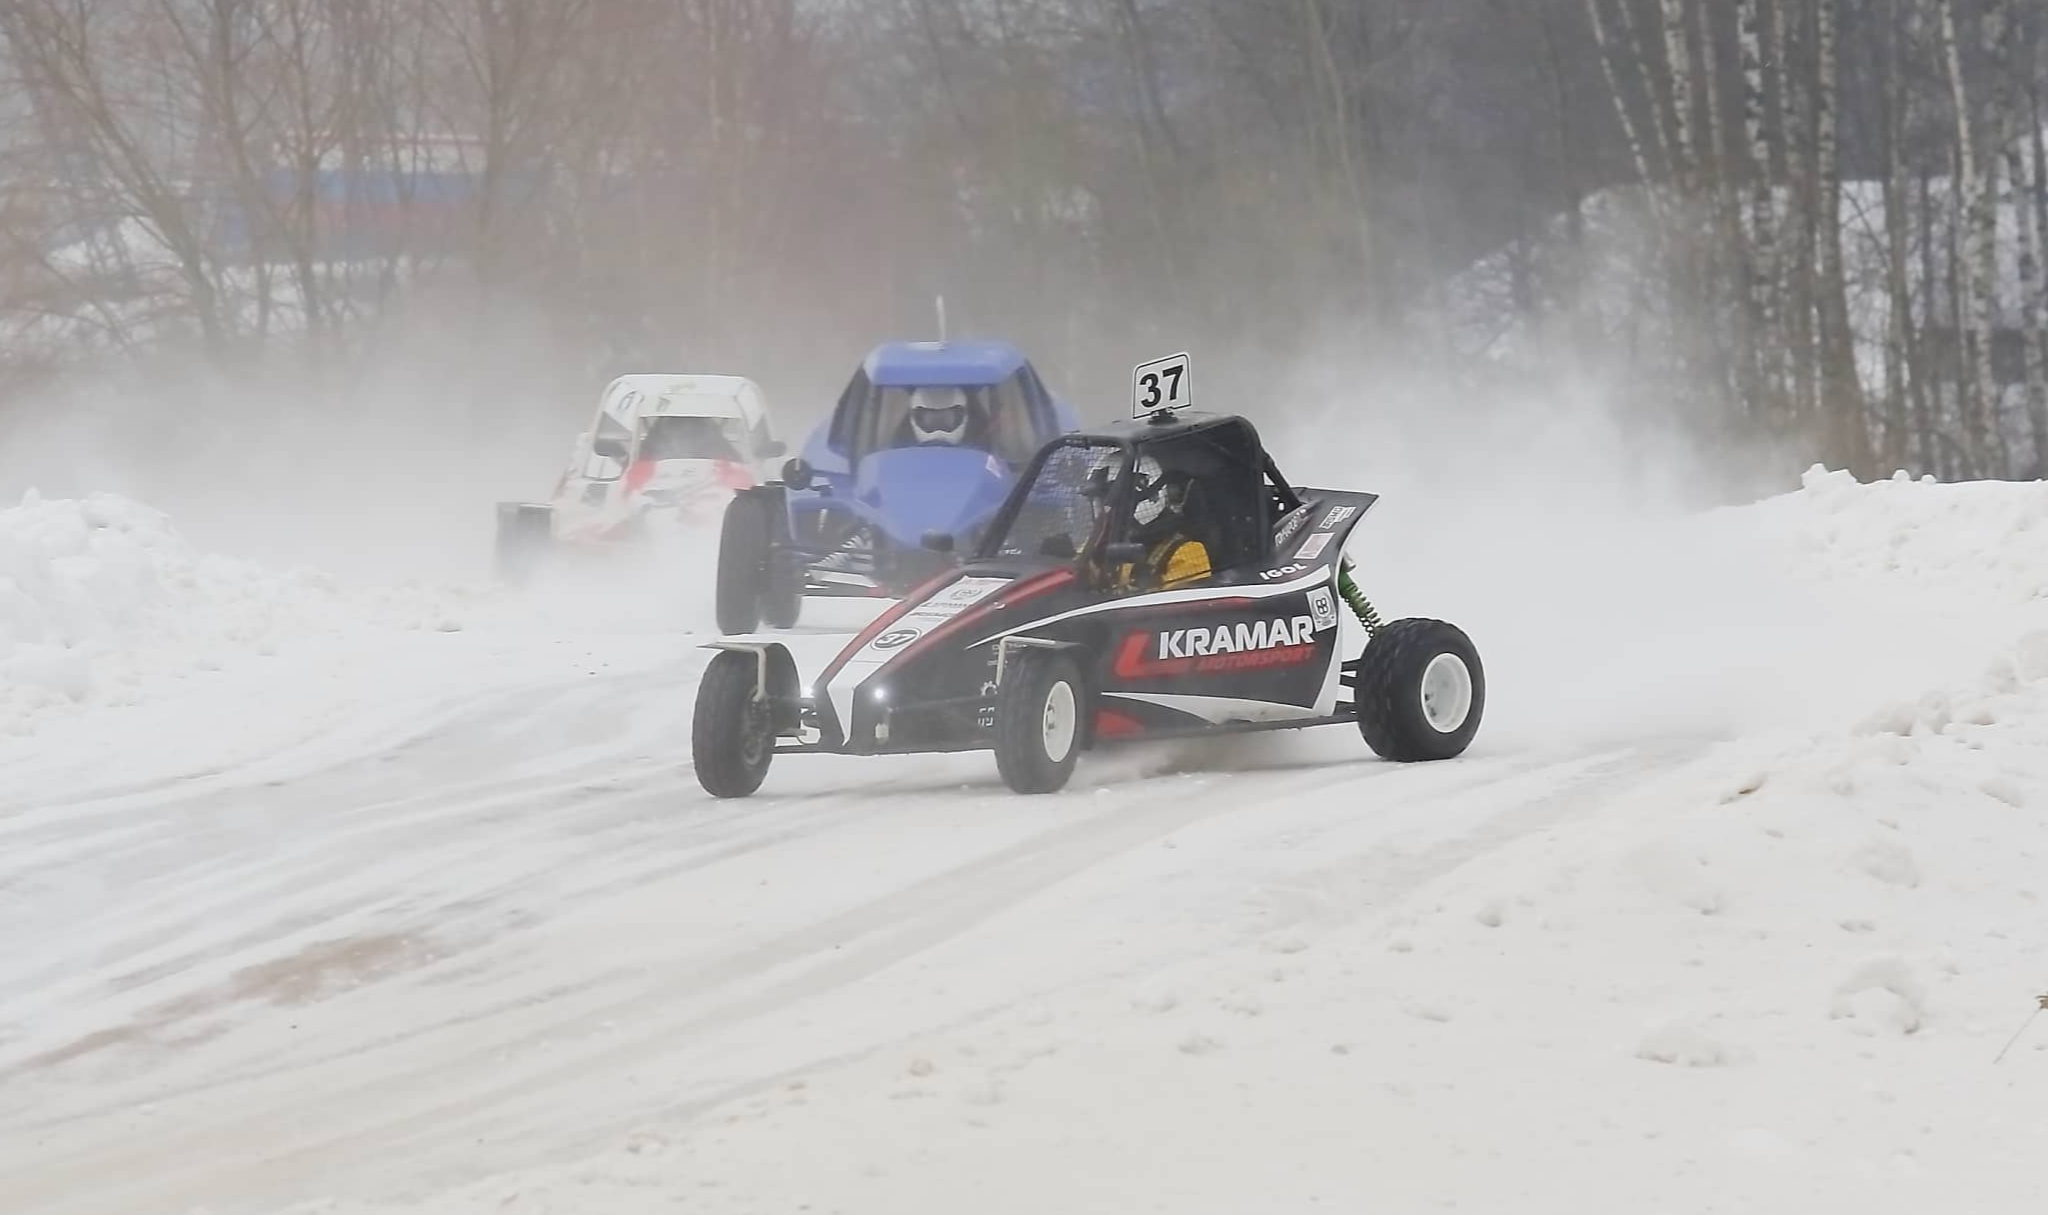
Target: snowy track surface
x,y
438,921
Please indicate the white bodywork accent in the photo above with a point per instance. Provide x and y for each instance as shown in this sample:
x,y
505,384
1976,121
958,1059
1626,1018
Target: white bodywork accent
x,y
889,644
1333,679
744,641
1218,709
1157,598
671,395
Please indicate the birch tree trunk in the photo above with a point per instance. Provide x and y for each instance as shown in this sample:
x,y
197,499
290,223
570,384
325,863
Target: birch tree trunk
x,y
1798,85
2028,240
1841,390
1678,63
1603,50
1978,284
2036,337
1903,381
1763,220
1336,95
1941,388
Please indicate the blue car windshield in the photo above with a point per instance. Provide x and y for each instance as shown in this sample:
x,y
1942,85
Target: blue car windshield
x,y
996,419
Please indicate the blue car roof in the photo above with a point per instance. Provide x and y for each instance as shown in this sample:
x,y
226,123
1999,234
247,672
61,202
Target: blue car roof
x,y
965,364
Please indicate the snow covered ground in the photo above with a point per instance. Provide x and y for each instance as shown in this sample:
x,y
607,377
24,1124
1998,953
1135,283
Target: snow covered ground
x,y
322,900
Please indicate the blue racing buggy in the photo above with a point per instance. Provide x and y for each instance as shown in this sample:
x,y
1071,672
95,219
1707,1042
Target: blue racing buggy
x,y
917,457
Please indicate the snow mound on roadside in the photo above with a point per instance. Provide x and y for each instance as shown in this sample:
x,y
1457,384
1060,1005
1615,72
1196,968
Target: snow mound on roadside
x,y
1976,545
101,601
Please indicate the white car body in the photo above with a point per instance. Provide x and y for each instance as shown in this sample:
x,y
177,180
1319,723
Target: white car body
x,y
664,442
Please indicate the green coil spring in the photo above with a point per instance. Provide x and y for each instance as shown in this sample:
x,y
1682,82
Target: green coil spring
x,y
1367,615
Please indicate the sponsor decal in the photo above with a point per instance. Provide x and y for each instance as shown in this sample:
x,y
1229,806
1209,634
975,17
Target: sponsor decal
x,y
1322,605
1244,645
1337,515
1284,571
1290,525
1238,638
946,604
943,605
1313,547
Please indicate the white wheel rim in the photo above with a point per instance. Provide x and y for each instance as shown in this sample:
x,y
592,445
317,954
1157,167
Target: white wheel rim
x,y
1059,721
1446,693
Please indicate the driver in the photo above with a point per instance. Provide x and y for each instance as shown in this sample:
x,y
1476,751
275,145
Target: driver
x,y
1173,558
938,415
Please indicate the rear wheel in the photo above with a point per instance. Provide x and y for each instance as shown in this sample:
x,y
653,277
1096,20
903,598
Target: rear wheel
x,y
732,737
782,600
1040,709
525,530
1421,691
743,551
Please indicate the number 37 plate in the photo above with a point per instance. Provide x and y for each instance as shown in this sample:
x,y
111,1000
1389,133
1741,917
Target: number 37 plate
x,y
1160,384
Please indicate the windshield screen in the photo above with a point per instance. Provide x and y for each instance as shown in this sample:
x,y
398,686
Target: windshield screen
x,y
997,420
1056,516
691,439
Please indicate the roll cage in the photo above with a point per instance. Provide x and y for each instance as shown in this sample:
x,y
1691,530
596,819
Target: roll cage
x,y
1237,492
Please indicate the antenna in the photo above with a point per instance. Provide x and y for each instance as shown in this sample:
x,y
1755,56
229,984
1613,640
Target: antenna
x,y
940,302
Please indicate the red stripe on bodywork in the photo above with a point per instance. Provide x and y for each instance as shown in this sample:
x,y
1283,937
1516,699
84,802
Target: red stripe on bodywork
x,y
888,617
638,474
1024,588
1111,724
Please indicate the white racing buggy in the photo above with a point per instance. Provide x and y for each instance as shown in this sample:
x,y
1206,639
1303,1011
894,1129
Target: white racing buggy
x,y
663,451
1154,579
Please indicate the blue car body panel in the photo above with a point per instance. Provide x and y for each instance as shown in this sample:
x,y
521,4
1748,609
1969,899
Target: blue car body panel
x,y
912,490
962,364
902,492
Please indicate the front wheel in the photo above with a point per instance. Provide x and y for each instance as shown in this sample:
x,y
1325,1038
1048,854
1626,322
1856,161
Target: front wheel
x,y
732,738
1421,691
1039,713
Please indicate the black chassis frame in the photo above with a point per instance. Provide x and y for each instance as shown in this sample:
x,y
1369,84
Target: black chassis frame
x,y
895,690
892,571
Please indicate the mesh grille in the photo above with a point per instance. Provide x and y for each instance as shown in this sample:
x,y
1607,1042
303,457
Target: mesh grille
x,y
1057,516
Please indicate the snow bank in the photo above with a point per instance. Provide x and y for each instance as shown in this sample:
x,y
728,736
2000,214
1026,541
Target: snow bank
x,y
103,602
1971,548
1773,978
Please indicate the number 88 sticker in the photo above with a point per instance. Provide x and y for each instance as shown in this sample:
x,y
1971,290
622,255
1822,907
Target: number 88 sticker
x,y
1160,385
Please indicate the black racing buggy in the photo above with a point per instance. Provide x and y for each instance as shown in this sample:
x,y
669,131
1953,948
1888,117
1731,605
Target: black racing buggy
x,y
1058,633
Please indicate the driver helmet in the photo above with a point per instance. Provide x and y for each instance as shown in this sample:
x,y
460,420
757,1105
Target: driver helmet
x,y
1157,499
938,415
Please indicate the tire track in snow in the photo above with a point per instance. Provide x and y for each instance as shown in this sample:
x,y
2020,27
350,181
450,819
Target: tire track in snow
x,y
696,1002
600,807
162,887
